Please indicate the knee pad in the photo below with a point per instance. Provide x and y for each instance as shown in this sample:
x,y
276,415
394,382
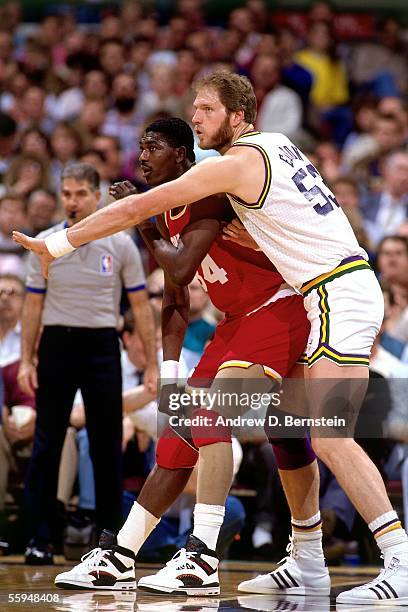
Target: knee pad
x,y
173,452
206,430
292,453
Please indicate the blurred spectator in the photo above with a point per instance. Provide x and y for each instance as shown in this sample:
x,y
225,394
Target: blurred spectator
x,y
32,110
155,289
91,119
280,107
124,119
17,414
346,192
392,260
384,211
40,212
381,65
35,143
109,148
26,174
162,96
8,131
66,147
12,216
359,142
365,156
112,57
329,92
95,85
293,75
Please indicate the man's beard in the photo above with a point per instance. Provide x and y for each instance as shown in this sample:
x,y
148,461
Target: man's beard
x,y
222,138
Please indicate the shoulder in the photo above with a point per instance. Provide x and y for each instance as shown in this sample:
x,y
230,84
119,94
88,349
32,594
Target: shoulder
x,y
212,207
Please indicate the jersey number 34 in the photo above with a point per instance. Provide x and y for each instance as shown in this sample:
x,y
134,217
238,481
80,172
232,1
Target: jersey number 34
x,y
211,273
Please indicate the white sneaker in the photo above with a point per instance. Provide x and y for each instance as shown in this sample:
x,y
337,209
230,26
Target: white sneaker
x,y
390,588
101,568
298,574
192,571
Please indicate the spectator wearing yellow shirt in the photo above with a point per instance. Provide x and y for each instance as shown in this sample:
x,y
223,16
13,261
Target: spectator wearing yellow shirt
x,y
330,92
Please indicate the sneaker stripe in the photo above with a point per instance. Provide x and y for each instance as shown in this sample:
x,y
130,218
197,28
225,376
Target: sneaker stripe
x,y
204,565
378,586
287,585
395,594
117,563
291,578
376,592
277,581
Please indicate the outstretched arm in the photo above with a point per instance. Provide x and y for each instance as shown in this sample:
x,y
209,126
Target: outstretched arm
x,y
215,175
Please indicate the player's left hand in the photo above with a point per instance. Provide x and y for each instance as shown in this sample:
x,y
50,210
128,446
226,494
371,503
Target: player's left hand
x,y
38,247
237,233
122,189
150,377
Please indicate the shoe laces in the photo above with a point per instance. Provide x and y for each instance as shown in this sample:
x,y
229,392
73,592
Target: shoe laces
x,y
181,556
291,549
93,558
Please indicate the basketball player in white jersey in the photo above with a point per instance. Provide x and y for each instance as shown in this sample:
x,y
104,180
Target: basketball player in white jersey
x,y
294,218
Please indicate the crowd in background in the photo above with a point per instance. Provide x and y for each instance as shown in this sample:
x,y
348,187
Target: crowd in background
x,y
84,92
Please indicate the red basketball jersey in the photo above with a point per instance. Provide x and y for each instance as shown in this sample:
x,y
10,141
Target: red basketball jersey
x,y
237,279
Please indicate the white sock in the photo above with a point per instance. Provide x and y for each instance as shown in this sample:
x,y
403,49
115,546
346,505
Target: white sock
x,y
137,527
207,523
390,536
308,534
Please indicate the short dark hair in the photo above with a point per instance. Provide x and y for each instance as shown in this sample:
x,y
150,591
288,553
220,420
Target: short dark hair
x,y
396,238
235,92
14,278
176,132
82,172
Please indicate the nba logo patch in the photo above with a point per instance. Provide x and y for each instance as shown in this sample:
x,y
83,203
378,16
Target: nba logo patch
x,y
106,265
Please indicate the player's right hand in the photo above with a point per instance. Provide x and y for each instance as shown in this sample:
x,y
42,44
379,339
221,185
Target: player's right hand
x,y
27,378
165,399
38,247
122,189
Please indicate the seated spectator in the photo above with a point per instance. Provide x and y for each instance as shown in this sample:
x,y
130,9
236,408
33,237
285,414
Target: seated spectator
x,y
18,414
281,108
365,162
380,65
385,210
34,142
161,96
66,147
12,216
347,195
8,131
330,91
26,174
359,142
293,75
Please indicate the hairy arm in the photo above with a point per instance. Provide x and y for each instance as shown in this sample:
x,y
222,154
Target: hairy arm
x,y
215,175
31,323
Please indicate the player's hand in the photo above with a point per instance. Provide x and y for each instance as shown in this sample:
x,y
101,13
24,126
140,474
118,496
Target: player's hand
x,y
122,189
150,377
237,233
27,378
164,399
38,247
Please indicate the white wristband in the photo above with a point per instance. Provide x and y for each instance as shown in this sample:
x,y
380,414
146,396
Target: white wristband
x,y
58,244
169,371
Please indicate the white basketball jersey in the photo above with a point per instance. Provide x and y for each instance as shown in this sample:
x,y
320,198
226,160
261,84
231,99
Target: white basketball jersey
x,y
297,221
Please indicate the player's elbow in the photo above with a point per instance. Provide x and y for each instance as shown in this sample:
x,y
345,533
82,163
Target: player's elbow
x,y
183,275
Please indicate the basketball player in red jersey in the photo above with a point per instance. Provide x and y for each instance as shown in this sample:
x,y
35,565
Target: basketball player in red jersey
x,y
261,337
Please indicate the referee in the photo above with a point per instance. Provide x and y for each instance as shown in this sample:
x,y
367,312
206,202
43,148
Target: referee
x,y
78,307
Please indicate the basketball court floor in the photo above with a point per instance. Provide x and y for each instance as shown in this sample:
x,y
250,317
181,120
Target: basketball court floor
x,y
24,588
